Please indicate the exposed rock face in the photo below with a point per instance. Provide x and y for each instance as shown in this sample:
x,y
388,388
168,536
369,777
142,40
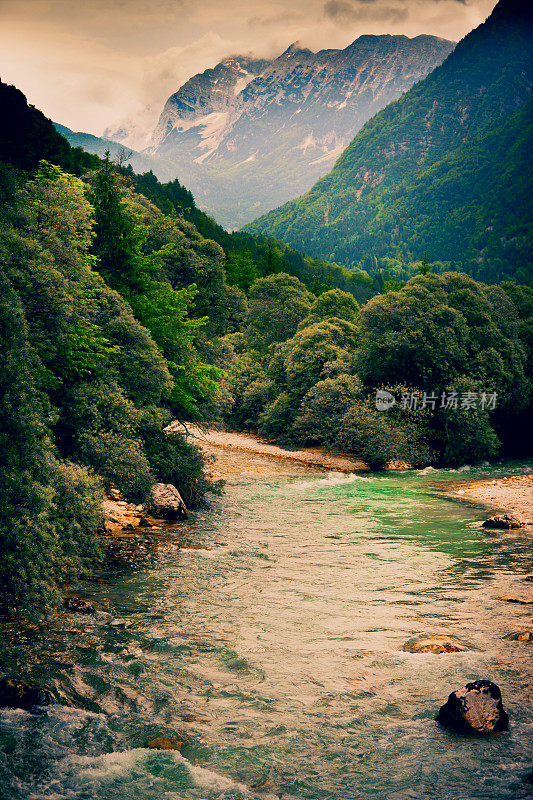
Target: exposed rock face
x,y
164,502
503,521
251,134
19,694
434,644
477,708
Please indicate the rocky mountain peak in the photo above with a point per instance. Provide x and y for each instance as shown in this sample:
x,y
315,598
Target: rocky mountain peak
x,y
264,129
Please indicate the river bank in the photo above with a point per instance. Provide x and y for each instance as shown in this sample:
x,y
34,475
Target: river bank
x,y
247,443
512,494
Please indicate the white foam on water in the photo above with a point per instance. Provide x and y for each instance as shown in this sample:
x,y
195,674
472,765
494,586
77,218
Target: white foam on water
x,y
332,479
211,780
426,470
115,765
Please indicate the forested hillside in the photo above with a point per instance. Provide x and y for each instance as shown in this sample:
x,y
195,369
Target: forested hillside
x,y
445,169
111,314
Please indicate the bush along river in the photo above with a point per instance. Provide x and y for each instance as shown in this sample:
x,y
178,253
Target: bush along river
x,y
263,641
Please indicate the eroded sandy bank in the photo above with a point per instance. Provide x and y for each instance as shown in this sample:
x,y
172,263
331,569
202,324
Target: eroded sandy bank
x,y
313,456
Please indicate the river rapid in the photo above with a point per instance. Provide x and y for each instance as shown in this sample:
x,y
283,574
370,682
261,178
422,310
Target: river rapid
x,y
271,646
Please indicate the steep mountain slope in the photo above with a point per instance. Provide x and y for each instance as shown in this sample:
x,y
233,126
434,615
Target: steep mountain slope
x,y
250,134
140,162
446,168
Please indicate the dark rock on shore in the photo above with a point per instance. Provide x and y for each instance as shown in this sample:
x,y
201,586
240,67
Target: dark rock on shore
x,y
503,522
19,694
78,606
145,523
477,708
164,502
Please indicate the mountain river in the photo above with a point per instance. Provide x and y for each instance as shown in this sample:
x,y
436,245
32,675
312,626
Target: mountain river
x,y
266,634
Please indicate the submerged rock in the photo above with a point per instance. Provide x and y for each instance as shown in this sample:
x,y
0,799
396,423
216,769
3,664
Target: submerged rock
x,y
504,522
434,644
477,708
521,636
165,743
19,694
164,502
517,598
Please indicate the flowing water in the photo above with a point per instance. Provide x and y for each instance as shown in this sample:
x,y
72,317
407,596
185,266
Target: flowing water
x,y
272,648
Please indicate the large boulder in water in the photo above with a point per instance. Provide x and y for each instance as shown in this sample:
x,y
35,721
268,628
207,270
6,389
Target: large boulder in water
x,y
477,708
434,643
164,502
19,694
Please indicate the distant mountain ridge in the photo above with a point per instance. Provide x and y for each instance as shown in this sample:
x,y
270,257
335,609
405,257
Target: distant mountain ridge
x,y
446,169
252,133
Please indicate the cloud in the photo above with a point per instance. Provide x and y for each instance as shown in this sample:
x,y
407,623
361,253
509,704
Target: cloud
x,y
278,19
343,11
91,63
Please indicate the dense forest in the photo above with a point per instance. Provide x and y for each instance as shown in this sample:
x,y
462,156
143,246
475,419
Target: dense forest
x,y
124,307
443,170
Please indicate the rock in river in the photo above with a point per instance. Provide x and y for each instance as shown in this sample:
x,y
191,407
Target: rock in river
x,y
165,743
437,643
164,502
504,522
19,694
477,708
522,636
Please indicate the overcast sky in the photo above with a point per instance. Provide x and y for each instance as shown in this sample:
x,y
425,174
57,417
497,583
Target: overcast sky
x,y
90,63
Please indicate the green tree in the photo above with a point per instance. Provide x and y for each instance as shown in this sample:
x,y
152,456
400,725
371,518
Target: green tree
x,y
332,303
117,242
277,304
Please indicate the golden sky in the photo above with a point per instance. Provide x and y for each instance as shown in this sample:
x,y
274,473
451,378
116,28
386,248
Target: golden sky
x,y
90,63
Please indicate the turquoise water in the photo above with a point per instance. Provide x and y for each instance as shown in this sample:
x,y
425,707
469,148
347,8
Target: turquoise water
x,y
272,647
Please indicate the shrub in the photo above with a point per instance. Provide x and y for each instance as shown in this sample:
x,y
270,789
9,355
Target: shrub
x,y
119,459
173,459
276,419
76,511
323,407
379,437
